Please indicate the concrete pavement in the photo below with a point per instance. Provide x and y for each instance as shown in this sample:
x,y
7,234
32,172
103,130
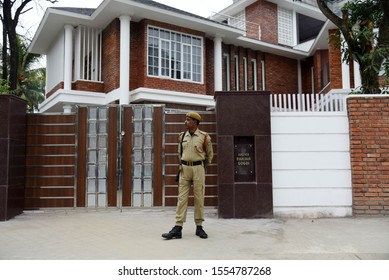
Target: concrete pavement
x,y
136,234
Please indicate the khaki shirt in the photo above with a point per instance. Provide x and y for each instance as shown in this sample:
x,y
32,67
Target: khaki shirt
x,y
193,146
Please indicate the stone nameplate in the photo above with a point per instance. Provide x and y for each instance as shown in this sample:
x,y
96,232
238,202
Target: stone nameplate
x,y
244,159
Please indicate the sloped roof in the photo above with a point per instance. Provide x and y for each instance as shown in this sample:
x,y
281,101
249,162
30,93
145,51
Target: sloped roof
x,y
89,11
56,18
81,11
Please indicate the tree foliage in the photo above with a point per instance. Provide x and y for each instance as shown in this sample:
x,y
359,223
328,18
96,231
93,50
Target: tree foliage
x,y
31,81
12,10
364,25
17,75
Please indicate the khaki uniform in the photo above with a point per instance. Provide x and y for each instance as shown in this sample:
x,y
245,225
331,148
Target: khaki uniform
x,y
194,150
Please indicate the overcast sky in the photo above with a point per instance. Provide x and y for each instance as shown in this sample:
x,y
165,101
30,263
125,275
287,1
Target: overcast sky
x,y
30,20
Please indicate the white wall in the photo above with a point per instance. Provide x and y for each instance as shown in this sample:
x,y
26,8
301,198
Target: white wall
x,y
55,62
311,164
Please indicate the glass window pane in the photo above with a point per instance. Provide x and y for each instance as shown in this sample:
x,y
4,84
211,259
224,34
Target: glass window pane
x,y
91,185
137,156
137,171
91,171
137,112
148,155
103,127
92,113
91,200
148,200
102,142
92,156
148,169
137,143
92,142
137,200
92,127
138,127
148,140
102,171
102,200
103,113
102,186
148,127
147,185
148,112
137,186
102,155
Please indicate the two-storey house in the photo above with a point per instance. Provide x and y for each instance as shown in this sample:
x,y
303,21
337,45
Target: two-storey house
x,y
141,51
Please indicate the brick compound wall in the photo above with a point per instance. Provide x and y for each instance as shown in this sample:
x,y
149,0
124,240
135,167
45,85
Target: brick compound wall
x,y
369,146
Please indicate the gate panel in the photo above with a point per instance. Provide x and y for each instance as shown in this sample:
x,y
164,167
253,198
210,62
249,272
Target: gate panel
x,y
142,149
158,156
112,176
81,156
97,155
50,161
174,124
126,156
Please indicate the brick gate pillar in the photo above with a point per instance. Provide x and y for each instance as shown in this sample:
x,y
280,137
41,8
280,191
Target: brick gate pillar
x,y
369,148
12,155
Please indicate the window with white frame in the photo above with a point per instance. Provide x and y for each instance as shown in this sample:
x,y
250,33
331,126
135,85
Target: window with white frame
x,y
236,72
245,73
87,53
174,55
226,70
254,73
285,26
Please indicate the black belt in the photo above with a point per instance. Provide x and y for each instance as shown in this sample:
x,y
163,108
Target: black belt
x,y
192,163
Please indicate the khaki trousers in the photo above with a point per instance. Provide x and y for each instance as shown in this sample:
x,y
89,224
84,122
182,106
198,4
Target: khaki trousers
x,y
191,175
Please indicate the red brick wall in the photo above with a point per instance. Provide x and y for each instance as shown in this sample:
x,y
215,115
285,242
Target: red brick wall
x,y
88,86
264,14
111,56
369,146
281,74
335,61
138,56
209,77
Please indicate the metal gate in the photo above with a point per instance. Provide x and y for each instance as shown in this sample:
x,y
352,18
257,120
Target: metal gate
x,y
97,147
142,151
116,156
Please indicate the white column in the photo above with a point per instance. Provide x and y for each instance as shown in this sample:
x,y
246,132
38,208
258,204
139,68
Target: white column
x,y
218,67
357,75
68,57
67,109
125,59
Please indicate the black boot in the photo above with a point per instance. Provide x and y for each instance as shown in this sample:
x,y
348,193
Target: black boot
x,y
200,232
174,233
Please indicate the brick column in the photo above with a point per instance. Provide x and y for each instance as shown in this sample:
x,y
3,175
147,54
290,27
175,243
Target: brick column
x,y
369,147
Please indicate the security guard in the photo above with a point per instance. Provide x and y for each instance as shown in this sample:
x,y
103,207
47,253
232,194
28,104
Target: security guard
x,y
195,153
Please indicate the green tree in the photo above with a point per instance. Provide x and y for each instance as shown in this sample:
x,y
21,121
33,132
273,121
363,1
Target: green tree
x,y
31,81
12,10
364,25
